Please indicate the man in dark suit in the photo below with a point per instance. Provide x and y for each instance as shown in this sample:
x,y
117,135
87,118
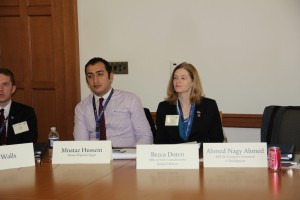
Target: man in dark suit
x,y
18,123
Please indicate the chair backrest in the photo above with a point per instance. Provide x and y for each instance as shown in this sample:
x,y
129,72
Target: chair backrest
x,y
267,123
225,137
283,125
151,123
286,128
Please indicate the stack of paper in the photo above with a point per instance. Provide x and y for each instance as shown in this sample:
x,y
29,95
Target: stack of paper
x,y
124,154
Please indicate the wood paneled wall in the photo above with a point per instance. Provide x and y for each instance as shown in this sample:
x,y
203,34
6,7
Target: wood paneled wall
x,y
39,43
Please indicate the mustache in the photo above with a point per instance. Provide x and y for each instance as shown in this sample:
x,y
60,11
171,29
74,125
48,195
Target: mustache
x,y
98,84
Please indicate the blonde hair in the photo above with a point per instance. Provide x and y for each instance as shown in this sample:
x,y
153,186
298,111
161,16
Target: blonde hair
x,y
197,93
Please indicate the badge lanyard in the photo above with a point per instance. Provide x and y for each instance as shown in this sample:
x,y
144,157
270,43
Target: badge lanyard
x,y
190,120
98,117
2,126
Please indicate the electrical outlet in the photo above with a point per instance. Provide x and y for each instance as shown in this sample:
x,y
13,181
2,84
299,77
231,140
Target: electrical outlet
x,y
119,67
173,64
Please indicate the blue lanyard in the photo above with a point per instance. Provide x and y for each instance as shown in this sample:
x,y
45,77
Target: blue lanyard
x,y
186,129
98,117
3,125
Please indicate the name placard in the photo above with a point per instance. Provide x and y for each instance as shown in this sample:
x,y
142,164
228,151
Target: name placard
x,y
15,156
235,155
81,152
171,156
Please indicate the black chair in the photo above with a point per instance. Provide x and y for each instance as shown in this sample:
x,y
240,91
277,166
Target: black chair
x,y
281,125
267,123
151,123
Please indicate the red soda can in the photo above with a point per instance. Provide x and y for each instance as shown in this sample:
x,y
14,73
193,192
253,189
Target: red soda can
x,y
274,158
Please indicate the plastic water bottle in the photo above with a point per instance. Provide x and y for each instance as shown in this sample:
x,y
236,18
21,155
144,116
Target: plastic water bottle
x,y
53,136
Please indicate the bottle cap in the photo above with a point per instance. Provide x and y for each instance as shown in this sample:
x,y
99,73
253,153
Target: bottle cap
x,y
53,128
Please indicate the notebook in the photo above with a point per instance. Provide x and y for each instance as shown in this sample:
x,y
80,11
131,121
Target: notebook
x,y
287,151
39,149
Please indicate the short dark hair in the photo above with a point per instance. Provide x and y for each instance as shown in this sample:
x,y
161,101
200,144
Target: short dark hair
x,y
9,73
96,60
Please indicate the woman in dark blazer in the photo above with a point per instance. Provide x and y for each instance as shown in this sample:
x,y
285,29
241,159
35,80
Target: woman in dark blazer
x,y
186,115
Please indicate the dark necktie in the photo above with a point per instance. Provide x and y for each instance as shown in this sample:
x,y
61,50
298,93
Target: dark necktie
x,y
3,128
102,121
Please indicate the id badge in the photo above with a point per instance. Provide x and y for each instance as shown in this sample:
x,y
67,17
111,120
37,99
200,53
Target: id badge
x,y
172,120
20,127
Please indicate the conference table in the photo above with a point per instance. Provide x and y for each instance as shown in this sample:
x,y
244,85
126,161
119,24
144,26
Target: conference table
x,y
121,180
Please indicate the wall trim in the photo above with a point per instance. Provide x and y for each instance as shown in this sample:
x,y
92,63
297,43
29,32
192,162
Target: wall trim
x,y
242,120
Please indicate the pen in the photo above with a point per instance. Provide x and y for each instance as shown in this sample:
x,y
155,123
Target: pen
x,y
288,163
119,150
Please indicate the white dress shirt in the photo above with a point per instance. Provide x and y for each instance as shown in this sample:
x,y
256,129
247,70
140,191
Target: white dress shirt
x,y
125,120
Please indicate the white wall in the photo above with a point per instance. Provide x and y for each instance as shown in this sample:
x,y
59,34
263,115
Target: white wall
x,y
242,134
246,51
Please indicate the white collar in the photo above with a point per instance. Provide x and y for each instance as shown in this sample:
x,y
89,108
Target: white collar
x,y
104,96
6,109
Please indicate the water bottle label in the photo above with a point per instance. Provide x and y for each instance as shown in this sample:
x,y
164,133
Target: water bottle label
x,y
51,140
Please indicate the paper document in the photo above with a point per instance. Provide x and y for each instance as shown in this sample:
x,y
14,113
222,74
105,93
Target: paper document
x,y
124,154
